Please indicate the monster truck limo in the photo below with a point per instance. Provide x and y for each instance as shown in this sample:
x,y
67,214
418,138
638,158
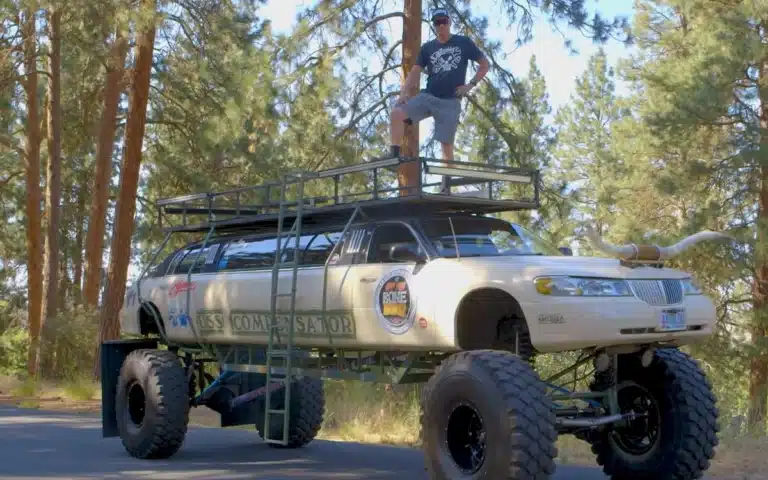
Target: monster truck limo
x,y
431,288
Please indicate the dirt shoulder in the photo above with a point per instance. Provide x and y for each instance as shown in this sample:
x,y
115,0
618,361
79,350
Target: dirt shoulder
x,y
736,459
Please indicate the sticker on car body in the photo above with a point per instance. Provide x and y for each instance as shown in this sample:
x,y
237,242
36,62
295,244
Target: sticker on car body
x,y
394,303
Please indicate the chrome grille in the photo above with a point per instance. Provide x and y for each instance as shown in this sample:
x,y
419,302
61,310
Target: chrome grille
x,y
673,289
658,292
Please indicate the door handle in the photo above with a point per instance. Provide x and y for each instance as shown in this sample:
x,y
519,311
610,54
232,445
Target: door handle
x,y
367,280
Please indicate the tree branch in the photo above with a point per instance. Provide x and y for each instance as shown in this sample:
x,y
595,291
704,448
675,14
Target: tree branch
x,y
5,181
8,143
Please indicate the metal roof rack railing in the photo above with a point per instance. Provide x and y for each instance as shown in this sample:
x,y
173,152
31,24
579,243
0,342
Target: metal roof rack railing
x,y
238,207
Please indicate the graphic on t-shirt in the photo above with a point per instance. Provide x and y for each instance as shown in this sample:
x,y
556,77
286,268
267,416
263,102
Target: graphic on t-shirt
x,y
445,59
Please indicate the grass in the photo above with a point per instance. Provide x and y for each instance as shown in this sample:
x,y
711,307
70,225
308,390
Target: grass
x,y
355,411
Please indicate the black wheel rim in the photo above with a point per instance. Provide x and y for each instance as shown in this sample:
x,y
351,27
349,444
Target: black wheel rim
x,y
638,435
137,404
465,438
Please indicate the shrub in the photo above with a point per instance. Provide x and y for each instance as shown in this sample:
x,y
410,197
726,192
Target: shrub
x,y
14,345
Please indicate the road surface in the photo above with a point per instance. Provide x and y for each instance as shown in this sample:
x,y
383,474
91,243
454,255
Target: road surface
x,y
46,445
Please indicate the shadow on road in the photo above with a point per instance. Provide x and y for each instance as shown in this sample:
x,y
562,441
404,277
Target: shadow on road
x,y
48,445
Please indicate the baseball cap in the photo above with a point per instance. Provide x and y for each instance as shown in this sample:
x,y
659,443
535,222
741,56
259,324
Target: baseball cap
x,y
440,12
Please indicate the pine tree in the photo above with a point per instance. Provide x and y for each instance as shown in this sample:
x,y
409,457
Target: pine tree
x,y
585,158
704,69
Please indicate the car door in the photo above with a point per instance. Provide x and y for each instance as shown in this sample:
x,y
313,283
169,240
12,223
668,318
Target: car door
x,y
386,288
315,282
185,295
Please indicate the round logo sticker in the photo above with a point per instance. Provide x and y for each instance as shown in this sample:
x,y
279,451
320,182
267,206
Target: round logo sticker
x,y
395,307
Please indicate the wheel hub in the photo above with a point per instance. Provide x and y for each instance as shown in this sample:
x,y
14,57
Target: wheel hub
x,y
137,402
638,434
465,438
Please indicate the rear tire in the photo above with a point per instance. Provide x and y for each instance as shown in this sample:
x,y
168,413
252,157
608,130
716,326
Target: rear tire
x,y
152,404
305,416
681,422
487,397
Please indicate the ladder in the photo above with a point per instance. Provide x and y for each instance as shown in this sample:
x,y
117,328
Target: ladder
x,y
277,349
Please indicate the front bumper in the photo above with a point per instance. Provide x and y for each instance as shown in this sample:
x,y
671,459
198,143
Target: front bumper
x,y
571,323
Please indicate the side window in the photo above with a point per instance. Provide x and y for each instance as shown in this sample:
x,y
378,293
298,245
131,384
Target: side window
x,y
159,269
191,256
321,246
288,244
249,254
385,236
175,261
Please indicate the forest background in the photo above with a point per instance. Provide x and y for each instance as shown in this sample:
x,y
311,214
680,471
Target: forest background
x,y
648,119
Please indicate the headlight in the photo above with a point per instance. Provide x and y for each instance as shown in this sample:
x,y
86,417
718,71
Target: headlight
x,y
690,287
582,287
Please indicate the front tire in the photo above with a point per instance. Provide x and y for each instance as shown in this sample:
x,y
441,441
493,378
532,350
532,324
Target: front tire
x,y
676,437
485,414
152,404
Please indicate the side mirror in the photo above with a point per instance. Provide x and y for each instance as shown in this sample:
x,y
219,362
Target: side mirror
x,y
405,252
566,251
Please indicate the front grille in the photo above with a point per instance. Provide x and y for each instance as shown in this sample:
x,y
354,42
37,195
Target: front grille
x,y
673,289
658,292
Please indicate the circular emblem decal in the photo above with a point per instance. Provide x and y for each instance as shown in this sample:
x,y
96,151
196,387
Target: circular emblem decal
x,y
395,307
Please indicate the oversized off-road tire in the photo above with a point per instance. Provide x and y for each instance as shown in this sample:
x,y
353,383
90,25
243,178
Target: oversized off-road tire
x,y
152,404
305,416
485,414
680,420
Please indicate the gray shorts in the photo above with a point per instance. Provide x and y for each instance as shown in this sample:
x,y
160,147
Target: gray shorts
x,y
445,111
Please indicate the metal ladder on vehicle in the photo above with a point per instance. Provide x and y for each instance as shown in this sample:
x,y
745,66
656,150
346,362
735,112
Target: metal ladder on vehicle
x,y
277,349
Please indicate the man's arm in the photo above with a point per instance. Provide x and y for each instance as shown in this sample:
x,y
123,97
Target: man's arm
x,y
475,54
411,82
413,78
485,65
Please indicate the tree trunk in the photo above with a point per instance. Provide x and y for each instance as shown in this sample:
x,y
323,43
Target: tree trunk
x,y
64,283
100,197
129,178
53,184
77,259
408,175
32,166
758,369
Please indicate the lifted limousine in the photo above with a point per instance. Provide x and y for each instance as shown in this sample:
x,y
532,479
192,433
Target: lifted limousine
x,y
414,288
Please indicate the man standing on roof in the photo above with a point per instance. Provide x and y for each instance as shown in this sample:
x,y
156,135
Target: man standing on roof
x,y
445,60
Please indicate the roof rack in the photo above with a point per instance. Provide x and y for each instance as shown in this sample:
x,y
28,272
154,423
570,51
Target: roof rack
x,y
236,209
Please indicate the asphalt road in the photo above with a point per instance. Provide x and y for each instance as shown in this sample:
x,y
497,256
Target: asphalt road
x,y
45,445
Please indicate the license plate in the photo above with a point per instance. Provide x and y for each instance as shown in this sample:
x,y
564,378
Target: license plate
x,y
672,320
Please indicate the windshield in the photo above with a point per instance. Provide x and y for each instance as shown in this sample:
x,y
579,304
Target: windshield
x,y
483,236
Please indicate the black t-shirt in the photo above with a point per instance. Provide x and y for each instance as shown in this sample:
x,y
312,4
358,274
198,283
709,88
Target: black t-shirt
x,y
446,64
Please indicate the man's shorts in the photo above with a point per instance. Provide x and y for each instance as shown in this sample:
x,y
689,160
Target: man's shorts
x,y
445,111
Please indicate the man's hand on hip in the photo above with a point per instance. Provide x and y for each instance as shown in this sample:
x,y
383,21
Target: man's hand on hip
x,y
463,90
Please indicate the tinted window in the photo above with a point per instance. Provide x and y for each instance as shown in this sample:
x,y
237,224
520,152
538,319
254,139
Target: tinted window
x,y
320,248
159,269
289,243
384,237
192,256
248,254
